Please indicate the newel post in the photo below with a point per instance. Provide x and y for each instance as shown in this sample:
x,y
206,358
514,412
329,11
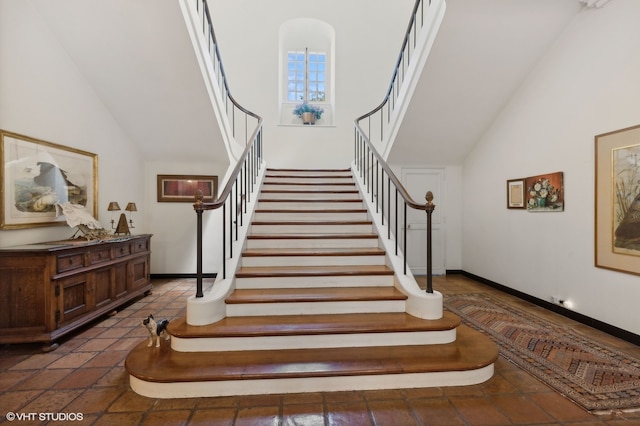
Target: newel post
x,y
197,206
429,209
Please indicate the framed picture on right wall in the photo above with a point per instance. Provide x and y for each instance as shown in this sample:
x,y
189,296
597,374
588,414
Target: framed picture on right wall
x,y
617,200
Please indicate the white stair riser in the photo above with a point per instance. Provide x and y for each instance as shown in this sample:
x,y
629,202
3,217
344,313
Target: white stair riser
x,y
358,340
318,384
312,229
313,243
302,187
325,281
302,179
317,205
310,216
253,261
314,308
309,195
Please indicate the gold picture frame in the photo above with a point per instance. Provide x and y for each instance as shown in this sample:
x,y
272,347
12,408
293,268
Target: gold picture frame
x,y
515,194
182,188
37,174
617,200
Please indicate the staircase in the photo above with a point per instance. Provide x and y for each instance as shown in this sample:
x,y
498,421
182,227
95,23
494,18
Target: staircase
x,y
315,308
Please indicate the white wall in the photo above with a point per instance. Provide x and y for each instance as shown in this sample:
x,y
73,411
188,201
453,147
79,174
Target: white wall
x,y
586,85
44,96
360,82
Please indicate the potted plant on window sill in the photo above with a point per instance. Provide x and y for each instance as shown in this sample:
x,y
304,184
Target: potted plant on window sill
x,y
308,113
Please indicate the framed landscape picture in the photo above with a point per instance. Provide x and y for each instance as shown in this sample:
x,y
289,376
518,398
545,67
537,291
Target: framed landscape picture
x,y
617,200
36,175
182,188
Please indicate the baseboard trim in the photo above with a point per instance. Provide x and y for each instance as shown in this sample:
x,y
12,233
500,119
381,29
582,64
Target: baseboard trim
x,y
583,319
180,276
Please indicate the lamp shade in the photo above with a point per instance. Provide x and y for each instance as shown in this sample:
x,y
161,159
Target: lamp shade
x,y
113,206
131,207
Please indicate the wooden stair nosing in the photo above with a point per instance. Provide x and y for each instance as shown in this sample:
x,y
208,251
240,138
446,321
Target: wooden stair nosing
x,y
310,236
303,212
470,351
324,294
309,184
312,271
303,325
303,252
309,200
312,222
272,169
308,191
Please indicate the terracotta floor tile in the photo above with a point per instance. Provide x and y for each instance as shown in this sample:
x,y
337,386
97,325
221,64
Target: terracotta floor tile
x,y
95,400
16,400
52,401
117,376
479,411
44,379
252,416
303,414
436,411
96,345
559,407
213,417
353,413
81,378
13,379
119,419
131,401
37,361
114,332
521,410
167,418
72,360
394,412
106,359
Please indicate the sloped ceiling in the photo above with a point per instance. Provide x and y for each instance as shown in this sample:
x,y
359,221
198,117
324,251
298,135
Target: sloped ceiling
x,y
483,52
154,89
151,84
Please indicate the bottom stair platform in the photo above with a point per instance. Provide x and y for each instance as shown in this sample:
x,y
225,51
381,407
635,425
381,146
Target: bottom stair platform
x,y
165,373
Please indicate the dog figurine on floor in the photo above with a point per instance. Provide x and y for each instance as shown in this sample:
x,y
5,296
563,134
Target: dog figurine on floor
x,y
156,329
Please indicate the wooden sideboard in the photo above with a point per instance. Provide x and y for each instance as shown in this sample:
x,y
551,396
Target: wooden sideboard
x,y
50,289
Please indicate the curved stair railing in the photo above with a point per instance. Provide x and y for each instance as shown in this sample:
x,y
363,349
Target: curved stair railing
x,y
241,183
372,167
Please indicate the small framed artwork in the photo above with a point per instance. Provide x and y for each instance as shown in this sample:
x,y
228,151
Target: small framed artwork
x,y
515,194
183,188
37,175
617,200
545,193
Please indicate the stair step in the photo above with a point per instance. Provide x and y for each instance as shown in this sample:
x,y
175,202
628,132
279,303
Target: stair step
x,y
319,195
300,205
312,227
313,257
347,294
163,373
312,331
306,272
310,214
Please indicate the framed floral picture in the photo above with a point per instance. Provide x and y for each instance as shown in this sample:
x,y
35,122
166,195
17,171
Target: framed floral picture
x,y
545,193
515,194
38,175
617,200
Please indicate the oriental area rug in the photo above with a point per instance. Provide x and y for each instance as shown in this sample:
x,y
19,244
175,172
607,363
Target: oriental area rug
x,y
599,378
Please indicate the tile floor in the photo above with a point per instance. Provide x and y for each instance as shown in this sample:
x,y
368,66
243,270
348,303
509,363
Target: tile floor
x,y
85,377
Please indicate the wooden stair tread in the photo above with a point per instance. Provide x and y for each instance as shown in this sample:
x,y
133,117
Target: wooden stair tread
x,y
309,184
304,325
347,251
311,222
309,191
299,295
303,211
312,271
470,351
309,236
308,200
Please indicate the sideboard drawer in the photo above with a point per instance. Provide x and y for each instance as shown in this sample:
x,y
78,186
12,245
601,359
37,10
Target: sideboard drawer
x,y
100,255
70,262
139,246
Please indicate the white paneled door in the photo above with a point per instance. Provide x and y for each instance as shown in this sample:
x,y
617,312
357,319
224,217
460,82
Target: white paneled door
x,y
418,181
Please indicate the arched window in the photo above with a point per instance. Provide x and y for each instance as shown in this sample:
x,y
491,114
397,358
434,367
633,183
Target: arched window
x,y
306,68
